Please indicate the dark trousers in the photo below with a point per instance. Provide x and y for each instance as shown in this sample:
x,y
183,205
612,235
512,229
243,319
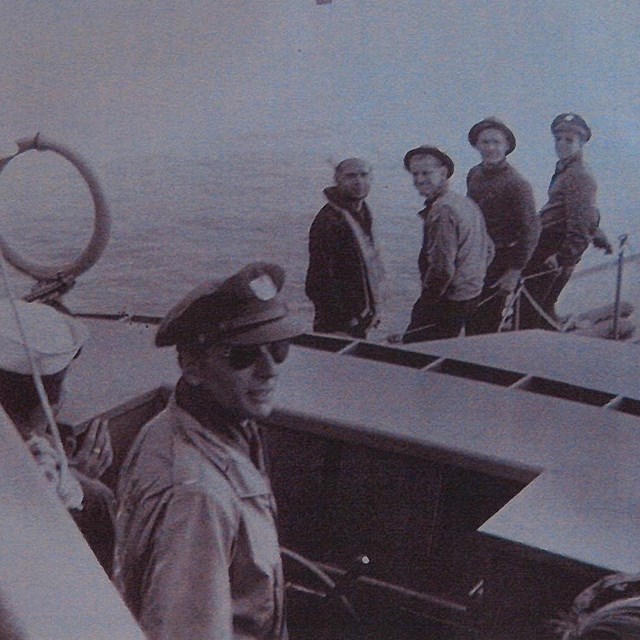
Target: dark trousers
x,y
96,519
328,323
488,314
545,289
438,319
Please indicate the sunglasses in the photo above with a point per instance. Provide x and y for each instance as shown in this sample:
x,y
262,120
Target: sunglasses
x,y
241,357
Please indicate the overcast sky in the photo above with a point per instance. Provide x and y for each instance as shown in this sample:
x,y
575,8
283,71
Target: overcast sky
x,y
124,78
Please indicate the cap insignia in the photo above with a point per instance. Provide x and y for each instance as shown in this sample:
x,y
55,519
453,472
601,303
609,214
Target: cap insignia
x,y
263,288
569,118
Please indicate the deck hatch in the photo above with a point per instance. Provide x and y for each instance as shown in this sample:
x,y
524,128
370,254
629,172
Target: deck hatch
x,y
628,405
479,372
567,391
391,355
321,343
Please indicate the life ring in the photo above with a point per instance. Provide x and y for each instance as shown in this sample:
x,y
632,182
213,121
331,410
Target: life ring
x,y
101,226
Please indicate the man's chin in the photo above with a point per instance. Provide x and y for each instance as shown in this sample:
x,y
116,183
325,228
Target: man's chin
x,y
259,409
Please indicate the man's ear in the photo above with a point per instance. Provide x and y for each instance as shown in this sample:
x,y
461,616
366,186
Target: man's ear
x,y
190,363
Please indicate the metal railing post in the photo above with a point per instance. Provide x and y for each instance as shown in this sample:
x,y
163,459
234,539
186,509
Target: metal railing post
x,y
616,309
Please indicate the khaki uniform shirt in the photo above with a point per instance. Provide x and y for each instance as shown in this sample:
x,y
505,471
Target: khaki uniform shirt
x,y
197,555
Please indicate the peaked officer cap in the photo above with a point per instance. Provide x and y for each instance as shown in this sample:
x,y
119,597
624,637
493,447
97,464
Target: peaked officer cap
x,y
571,122
426,150
53,338
492,123
246,308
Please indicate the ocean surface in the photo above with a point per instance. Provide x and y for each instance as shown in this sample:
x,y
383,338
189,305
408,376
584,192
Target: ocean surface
x,y
181,219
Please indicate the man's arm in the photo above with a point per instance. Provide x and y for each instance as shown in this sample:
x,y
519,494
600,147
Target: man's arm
x,y
186,592
581,218
527,222
441,250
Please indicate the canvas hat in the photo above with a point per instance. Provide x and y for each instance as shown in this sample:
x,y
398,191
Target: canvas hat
x,y
426,150
247,308
53,338
492,123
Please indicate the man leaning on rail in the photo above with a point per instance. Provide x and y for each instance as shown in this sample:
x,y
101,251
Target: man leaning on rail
x,y
197,552
507,204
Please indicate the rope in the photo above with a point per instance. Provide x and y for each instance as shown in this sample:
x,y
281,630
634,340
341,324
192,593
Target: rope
x,y
399,336
37,377
545,316
508,309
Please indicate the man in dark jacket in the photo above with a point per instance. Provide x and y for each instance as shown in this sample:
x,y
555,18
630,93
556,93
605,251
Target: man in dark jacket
x,y
345,271
506,201
570,221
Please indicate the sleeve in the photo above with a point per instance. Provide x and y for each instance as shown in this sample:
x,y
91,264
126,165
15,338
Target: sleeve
x,y
323,284
581,218
527,221
186,590
441,252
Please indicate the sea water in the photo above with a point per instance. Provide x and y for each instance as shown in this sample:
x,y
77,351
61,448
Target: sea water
x,y
179,219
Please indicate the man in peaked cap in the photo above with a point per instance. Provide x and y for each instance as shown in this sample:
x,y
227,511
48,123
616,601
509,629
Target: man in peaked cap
x,y
456,250
54,341
197,552
570,221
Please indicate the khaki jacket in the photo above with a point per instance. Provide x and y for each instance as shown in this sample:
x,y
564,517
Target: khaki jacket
x,y
456,249
197,555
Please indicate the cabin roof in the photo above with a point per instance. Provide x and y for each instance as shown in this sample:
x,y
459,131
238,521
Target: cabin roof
x,y
558,412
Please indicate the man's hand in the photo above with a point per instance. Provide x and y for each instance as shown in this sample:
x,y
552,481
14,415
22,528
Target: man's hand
x,y
600,241
508,281
552,261
49,461
95,454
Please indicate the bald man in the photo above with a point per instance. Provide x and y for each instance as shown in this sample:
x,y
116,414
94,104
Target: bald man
x,y
345,273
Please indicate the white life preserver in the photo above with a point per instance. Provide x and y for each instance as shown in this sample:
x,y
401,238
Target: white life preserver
x,y
101,226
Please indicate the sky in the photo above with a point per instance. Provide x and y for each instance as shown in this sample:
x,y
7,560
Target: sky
x,y
119,78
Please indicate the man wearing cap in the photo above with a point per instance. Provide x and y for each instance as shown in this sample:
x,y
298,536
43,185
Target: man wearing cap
x,y
53,341
197,552
569,219
455,253
345,272
506,201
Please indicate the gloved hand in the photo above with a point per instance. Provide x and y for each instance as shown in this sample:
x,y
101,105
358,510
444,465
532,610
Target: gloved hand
x,y
600,241
551,262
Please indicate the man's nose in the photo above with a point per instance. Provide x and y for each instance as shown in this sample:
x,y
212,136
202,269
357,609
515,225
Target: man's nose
x,y
266,366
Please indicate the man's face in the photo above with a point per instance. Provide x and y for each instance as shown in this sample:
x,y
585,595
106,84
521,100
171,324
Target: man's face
x,y
567,143
242,379
493,146
354,179
429,175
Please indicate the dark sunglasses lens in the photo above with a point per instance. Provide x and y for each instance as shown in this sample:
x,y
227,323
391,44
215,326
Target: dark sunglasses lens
x,y
243,357
279,351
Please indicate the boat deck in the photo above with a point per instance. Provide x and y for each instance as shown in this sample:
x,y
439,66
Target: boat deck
x,y
557,412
